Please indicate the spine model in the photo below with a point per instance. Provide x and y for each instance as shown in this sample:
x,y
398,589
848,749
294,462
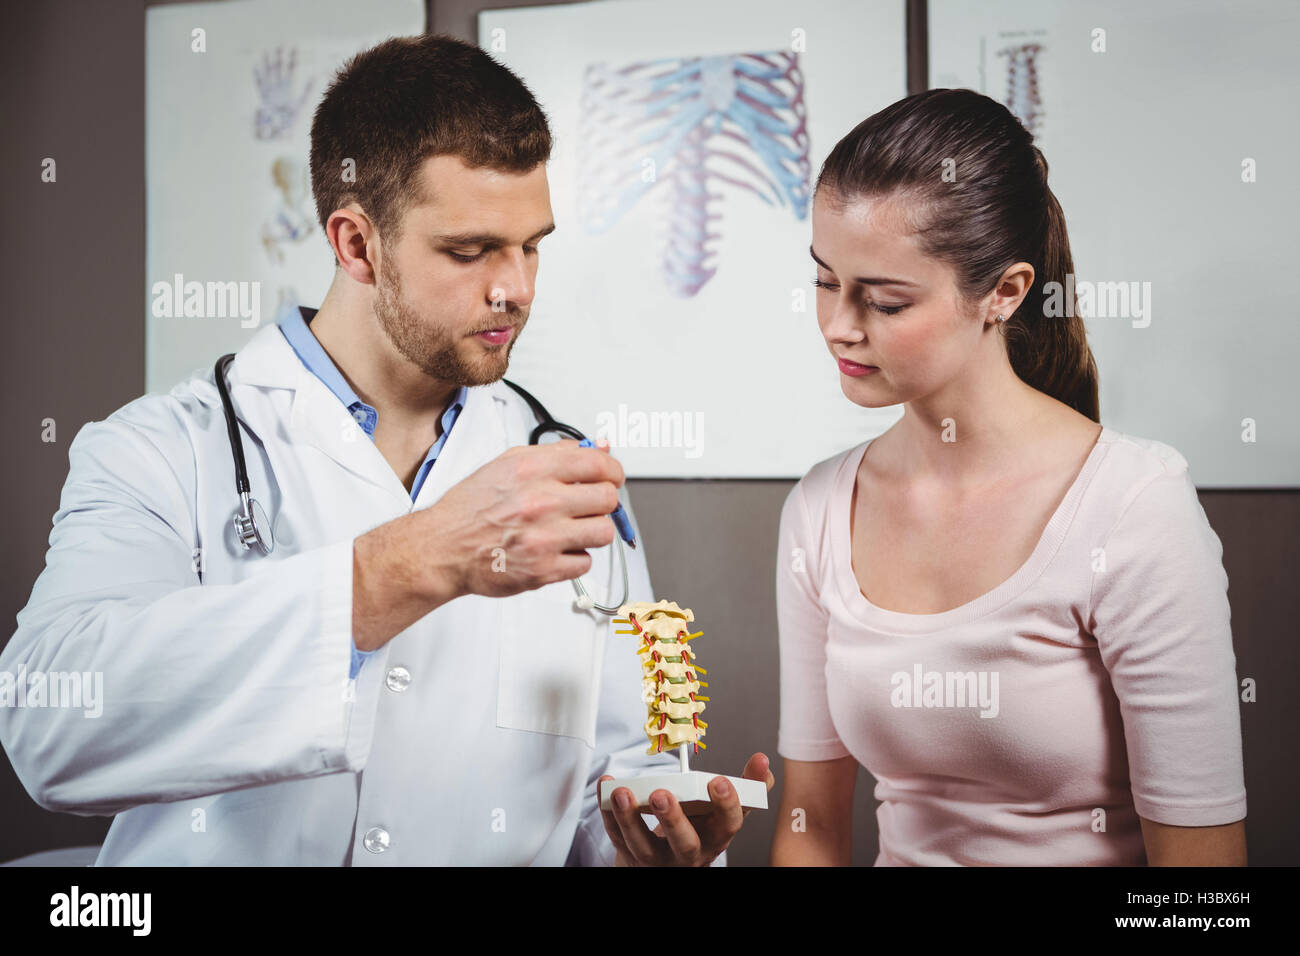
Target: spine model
x,y
670,677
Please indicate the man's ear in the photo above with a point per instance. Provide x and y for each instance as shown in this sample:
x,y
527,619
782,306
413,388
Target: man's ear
x,y
355,241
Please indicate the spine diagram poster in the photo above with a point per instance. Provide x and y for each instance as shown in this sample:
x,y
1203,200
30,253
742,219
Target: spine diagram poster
x,y
1182,235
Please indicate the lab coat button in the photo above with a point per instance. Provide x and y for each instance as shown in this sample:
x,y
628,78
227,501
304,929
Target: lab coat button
x,y
398,679
376,840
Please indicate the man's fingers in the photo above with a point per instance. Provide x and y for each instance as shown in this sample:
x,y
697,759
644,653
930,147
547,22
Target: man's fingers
x,y
640,842
567,462
583,533
682,838
612,829
687,843
584,500
722,822
758,768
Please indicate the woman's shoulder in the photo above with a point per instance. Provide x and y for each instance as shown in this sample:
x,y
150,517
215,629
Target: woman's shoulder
x,y
809,506
1133,462
820,481
1146,454
1147,487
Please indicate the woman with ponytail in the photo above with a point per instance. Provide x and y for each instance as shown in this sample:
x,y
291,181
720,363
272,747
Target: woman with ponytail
x,y
1015,618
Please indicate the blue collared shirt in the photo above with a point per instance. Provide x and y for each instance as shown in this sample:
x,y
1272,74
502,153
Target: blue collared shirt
x,y
295,327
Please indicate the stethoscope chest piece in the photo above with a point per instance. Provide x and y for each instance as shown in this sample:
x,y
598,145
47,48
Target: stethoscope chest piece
x,y
252,526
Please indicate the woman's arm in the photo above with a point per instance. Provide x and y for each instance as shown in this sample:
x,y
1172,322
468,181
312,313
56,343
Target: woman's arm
x,y
815,824
1194,846
1163,626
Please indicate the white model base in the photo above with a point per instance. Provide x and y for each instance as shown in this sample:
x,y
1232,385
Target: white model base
x,y
691,790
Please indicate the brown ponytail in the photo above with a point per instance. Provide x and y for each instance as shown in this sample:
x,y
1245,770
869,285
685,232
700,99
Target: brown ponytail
x,y
997,211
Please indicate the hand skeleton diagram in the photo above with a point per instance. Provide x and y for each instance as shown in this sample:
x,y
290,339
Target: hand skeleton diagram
x,y
691,124
278,105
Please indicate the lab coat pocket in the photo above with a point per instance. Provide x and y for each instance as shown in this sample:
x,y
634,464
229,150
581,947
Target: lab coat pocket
x,y
550,664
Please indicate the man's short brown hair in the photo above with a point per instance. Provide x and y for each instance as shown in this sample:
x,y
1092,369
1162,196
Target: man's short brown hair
x,y
393,106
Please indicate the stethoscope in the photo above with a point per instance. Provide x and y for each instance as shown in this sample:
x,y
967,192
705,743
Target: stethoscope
x,y
253,527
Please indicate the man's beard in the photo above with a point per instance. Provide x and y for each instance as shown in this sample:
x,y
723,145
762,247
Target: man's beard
x,y
435,350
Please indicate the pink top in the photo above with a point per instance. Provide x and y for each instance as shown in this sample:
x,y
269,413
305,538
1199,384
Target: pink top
x,y
1032,725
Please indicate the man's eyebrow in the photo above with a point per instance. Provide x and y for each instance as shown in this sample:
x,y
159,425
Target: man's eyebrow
x,y
865,280
487,239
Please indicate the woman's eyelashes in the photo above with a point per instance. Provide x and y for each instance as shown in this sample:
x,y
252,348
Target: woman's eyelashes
x,y
886,309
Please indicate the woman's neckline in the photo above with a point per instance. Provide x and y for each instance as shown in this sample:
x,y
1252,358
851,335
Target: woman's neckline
x,y
901,621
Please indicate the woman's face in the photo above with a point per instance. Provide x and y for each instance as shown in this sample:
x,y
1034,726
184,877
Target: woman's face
x,y
881,303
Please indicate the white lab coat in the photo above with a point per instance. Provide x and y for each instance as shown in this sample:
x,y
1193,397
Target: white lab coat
x,y
230,733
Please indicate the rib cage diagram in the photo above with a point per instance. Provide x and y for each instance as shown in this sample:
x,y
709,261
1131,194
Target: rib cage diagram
x,y
691,124
1022,84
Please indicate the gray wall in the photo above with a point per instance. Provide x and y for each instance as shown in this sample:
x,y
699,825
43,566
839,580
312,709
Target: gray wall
x,y
74,89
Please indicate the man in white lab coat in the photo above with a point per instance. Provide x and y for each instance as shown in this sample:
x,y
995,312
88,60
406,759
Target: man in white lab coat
x,y
406,678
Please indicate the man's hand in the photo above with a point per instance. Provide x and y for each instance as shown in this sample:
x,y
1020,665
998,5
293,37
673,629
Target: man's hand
x,y
522,521
675,842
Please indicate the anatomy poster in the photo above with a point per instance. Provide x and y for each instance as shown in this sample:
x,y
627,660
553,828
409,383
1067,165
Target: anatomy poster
x,y
230,89
674,312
